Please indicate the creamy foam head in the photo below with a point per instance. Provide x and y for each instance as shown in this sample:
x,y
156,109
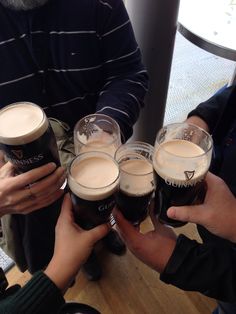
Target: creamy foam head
x,y
97,145
179,160
94,178
136,177
21,123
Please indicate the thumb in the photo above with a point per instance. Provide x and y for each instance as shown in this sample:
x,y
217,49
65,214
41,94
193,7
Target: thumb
x,y
186,213
99,232
66,209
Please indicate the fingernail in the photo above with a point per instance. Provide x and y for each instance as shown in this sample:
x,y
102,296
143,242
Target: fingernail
x,y
171,212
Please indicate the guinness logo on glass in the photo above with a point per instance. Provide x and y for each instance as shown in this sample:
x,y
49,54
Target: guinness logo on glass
x,y
18,153
189,174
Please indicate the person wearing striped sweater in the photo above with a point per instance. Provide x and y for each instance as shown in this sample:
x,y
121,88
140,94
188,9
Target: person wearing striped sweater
x,y
72,58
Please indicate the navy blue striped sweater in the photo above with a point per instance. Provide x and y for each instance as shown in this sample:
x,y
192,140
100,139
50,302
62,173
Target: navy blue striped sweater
x,y
73,57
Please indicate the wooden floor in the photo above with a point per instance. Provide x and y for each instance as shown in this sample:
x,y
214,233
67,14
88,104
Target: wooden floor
x,y
130,287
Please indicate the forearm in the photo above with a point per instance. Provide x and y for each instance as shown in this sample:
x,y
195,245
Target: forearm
x,y
123,100
39,295
122,95
207,268
59,275
211,110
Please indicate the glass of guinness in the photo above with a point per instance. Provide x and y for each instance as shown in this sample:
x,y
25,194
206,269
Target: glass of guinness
x,y
26,136
97,132
93,180
182,157
136,180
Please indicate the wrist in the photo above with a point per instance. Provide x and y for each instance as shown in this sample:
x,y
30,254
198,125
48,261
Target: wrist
x,y
167,239
59,274
199,122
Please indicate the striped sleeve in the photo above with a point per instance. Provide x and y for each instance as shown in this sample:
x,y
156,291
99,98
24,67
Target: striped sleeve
x,y
122,96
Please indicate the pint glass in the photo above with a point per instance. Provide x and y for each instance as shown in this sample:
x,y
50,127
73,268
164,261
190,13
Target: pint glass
x,y
182,157
136,180
93,180
97,132
26,136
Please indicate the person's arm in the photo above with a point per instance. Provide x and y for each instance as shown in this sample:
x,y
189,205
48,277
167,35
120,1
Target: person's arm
x,y
29,191
122,95
184,263
217,213
153,248
44,292
208,268
212,111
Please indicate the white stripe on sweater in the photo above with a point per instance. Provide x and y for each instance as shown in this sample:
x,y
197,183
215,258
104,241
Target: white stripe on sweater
x,y
115,29
18,79
115,109
134,82
135,99
72,99
106,4
124,56
75,70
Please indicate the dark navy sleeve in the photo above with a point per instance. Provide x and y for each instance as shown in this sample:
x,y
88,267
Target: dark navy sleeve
x,y
122,95
212,110
208,268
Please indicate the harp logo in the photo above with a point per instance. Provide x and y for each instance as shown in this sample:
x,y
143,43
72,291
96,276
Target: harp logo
x,y
189,175
18,153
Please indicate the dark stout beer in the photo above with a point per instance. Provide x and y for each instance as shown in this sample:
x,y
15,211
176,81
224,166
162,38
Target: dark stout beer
x,y
93,180
136,180
136,189
180,167
26,136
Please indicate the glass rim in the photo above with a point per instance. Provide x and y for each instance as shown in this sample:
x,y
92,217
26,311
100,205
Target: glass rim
x,y
135,144
41,122
92,153
188,124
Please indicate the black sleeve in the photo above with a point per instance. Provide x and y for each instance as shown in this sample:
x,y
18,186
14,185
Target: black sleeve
x,y
39,296
207,268
213,109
